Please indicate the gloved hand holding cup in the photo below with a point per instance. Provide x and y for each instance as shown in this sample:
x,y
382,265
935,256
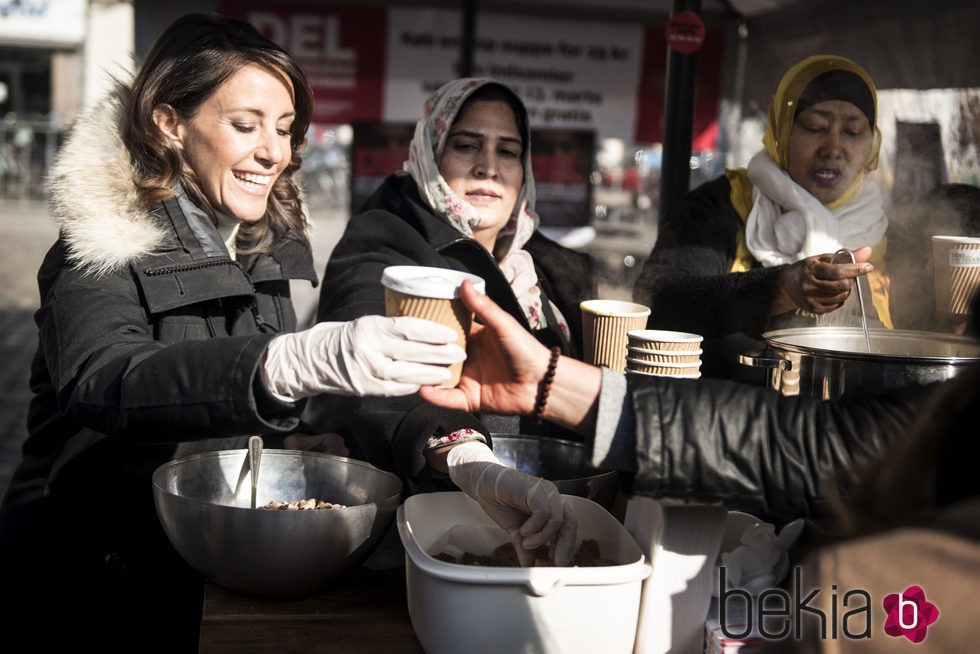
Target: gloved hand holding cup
x,y
372,355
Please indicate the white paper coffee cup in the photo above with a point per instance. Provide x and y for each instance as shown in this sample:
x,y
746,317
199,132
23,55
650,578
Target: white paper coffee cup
x,y
433,294
956,263
605,324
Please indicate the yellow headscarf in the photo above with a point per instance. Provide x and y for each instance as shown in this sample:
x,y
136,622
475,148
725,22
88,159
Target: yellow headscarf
x,y
782,111
782,115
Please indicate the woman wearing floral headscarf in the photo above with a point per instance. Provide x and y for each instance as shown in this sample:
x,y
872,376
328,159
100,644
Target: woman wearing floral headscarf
x,y
754,249
465,201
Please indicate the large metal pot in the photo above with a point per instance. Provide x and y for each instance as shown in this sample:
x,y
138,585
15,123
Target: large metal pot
x,y
826,362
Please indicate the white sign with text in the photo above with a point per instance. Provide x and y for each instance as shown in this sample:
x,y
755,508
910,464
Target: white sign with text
x,y
571,74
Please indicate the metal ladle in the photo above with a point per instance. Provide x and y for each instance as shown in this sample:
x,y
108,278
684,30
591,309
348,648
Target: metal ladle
x,y
857,282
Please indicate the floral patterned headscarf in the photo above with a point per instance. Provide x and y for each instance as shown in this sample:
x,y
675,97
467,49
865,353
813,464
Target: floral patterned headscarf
x,y
425,150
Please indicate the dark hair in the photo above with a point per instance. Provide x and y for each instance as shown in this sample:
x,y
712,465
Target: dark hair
x,y
187,63
495,92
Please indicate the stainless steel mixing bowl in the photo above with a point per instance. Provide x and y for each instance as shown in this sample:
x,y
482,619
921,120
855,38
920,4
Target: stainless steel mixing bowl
x,y
560,461
274,552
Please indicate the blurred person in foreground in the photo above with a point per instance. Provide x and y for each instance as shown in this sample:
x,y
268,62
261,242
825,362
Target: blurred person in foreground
x,y
753,250
164,329
893,471
465,202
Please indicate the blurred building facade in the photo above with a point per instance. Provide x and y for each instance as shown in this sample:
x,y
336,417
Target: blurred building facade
x,y
54,59
56,56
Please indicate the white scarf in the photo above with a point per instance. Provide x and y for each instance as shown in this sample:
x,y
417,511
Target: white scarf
x,y
787,224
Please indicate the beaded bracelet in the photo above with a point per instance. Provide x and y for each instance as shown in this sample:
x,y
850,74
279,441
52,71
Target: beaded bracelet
x,y
544,387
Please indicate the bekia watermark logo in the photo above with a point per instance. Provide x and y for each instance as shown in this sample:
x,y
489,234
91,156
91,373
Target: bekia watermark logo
x,y
909,614
827,614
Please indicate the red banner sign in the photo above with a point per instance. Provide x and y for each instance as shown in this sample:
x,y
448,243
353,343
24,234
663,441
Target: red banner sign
x,y
341,50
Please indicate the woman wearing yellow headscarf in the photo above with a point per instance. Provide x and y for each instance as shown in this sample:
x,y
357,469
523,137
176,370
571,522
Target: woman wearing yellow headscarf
x,y
753,250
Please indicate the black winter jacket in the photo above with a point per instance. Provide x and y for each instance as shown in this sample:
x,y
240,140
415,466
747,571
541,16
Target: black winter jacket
x,y
754,450
150,341
396,227
129,359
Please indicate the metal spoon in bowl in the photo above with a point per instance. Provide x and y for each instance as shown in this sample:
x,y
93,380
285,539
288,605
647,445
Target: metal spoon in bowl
x,y
254,460
250,467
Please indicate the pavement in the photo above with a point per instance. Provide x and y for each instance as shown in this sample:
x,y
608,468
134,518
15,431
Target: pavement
x,y
26,233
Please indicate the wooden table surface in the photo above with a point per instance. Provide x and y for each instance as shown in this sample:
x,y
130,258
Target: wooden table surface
x,y
365,611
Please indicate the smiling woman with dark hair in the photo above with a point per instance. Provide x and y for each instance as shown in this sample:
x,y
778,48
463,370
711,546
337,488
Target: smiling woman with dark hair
x,y
166,327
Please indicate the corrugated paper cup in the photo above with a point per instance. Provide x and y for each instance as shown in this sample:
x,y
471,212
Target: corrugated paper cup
x,y
605,324
433,294
640,373
664,340
956,261
692,357
665,369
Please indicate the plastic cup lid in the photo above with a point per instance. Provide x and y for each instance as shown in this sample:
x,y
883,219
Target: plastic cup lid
x,y
425,281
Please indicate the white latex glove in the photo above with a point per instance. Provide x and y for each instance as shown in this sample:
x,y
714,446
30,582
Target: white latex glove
x,y
372,355
528,508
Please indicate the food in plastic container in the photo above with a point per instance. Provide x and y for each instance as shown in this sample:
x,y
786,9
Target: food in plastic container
x,y
456,607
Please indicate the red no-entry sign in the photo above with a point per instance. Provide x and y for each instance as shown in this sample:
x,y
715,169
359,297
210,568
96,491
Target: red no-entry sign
x,y
685,32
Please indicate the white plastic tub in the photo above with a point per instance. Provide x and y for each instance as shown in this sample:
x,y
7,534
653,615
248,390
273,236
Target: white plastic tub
x,y
461,608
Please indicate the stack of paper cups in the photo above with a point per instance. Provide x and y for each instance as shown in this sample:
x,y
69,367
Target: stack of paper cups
x,y
605,324
663,353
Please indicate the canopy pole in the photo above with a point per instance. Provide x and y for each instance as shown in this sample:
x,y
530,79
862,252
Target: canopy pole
x,y
467,44
675,176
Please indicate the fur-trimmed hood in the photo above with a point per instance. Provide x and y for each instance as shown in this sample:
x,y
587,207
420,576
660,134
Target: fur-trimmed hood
x,y
93,197
92,193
